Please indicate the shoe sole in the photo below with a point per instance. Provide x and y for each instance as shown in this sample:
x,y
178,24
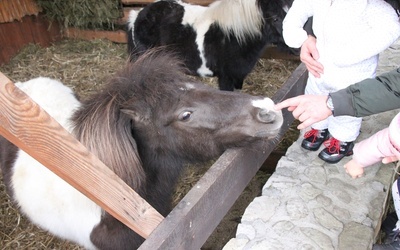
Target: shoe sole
x,y
336,161
309,148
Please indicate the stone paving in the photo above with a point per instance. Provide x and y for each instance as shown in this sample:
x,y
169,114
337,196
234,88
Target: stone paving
x,y
309,204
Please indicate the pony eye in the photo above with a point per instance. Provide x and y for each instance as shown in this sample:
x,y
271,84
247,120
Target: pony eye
x,y
185,116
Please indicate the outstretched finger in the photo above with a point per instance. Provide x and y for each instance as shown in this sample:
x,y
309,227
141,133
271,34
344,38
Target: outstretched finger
x,y
286,103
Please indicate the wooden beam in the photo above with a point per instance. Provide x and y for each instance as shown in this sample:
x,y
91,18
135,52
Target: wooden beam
x,y
195,217
32,29
273,52
118,36
11,10
29,127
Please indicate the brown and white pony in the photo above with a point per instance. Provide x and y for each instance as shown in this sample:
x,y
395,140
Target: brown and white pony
x,y
146,125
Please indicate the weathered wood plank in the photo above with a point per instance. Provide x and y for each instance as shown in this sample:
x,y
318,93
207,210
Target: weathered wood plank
x,y
118,36
32,29
193,220
273,52
29,127
11,10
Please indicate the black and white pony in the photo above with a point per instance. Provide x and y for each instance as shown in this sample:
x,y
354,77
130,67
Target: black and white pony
x,y
146,125
224,39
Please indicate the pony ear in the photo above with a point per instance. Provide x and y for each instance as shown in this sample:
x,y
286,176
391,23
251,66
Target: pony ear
x,y
136,117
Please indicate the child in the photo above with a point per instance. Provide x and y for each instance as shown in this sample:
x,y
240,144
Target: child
x,y
384,145
350,35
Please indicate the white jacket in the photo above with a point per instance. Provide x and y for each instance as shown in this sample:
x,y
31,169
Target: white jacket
x,y
350,35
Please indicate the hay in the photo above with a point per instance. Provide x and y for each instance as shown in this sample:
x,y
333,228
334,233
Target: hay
x,y
86,14
84,66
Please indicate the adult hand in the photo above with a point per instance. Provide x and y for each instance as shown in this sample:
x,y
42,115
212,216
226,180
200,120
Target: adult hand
x,y
309,56
390,159
308,109
354,169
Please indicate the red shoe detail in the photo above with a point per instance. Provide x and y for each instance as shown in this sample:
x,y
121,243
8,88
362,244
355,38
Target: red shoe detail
x,y
312,132
333,145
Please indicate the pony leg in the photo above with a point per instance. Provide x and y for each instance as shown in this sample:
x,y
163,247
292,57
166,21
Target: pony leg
x,y
229,83
112,234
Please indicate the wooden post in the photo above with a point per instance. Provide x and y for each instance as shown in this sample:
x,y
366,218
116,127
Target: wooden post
x,y
32,129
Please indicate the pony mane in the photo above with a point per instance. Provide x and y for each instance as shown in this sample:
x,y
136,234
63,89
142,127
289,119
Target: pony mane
x,y
106,130
108,136
227,12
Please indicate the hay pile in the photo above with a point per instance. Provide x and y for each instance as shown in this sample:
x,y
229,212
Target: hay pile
x,y
85,14
85,66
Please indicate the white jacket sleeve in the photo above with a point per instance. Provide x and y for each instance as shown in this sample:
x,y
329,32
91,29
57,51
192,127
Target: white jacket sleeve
x,y
293,32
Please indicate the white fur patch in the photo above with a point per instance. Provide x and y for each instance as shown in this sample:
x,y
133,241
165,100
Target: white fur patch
x,y
192,12
265,103
131,19
45,198
189,86
195,17
227,13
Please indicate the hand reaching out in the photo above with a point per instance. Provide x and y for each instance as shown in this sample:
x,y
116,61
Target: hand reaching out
x,y
390,159
308,109
355,170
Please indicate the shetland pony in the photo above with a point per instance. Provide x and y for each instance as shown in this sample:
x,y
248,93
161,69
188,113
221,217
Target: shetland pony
x,y
224,39
146,124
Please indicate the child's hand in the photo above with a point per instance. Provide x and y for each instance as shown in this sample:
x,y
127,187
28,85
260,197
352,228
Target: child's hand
x,y
354,169
390,159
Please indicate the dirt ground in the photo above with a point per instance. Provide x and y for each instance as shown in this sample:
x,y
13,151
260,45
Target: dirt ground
x,y
84,66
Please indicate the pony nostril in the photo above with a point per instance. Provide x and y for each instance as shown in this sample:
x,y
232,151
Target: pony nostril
x,y
266,116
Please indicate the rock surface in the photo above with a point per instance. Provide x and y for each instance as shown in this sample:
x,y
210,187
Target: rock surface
x,y
309,204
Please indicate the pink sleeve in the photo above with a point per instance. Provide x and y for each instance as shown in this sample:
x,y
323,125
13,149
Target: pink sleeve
x,y
373,149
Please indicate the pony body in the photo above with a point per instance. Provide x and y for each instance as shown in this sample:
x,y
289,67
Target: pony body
x,y
146,125
224,39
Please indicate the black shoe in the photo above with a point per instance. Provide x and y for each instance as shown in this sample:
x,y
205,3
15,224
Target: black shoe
x,y
335,150
314,138
388,226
